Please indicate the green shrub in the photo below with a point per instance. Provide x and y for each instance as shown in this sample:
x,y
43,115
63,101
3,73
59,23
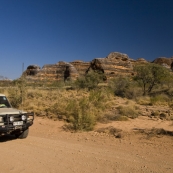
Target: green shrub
x,y
98,98
89,81
120,85
133,92
81,114
123,86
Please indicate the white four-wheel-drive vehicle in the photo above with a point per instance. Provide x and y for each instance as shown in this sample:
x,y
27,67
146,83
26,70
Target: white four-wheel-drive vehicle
x,y
13,121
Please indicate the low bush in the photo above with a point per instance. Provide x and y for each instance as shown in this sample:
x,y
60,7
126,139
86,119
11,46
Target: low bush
x,y
89,81
119,85
81,114
85,112
143,100
123,86
128,111
161,99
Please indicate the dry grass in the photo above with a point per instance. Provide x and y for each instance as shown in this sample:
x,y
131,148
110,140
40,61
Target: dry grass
x,y
82,109
161,99
129,110
143,100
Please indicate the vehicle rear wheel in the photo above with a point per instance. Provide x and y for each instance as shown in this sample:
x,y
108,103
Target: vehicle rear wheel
x,y
22,135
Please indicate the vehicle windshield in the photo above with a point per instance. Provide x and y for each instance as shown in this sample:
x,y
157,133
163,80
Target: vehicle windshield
x,y
4,102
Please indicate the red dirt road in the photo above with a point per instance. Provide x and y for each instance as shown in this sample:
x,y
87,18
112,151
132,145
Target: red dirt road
x,y
49,149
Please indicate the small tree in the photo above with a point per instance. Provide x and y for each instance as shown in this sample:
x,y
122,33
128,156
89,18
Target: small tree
x,y
150,75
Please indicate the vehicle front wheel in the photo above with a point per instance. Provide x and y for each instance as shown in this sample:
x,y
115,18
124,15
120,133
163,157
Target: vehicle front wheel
x,y
22,135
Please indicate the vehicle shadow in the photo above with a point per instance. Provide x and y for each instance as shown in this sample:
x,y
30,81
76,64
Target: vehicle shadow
x,y
7,138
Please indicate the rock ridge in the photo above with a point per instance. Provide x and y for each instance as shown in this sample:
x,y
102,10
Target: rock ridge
x,y
112,65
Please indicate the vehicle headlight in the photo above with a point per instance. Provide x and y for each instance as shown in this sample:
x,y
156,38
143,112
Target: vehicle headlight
x,y
11,118
23,117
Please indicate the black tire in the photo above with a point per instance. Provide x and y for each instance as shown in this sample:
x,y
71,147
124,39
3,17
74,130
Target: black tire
x,y
22,135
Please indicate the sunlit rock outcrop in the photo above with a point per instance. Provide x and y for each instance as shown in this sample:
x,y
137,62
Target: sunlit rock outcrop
x,y
114,64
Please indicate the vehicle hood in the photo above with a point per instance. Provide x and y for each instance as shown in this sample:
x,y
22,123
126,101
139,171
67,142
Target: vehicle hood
x,y
10,111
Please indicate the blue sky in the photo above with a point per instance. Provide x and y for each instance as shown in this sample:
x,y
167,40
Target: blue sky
x,y
48,31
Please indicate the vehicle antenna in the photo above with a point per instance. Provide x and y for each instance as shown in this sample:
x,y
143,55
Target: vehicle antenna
x,y
22,85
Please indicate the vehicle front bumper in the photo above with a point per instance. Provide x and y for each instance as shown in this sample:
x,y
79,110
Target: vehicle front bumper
x,y
8,127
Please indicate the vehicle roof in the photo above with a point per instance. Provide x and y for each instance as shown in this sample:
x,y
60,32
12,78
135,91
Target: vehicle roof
x,y
2,94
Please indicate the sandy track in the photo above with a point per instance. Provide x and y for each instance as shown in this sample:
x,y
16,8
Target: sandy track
x,y
48,149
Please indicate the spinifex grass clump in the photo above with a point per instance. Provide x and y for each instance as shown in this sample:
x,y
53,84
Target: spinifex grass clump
x,y
130,111
161,99
81,114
